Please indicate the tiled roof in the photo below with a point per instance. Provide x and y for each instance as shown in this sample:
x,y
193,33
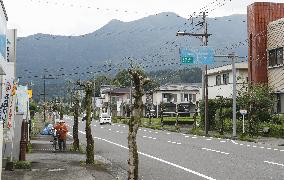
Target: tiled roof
x,y
4,10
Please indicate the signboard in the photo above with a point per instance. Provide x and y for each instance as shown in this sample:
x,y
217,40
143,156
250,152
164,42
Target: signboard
x,y
187,56
243,111
22,99
205,55
4,106
30,93
11,45
3,27
202,55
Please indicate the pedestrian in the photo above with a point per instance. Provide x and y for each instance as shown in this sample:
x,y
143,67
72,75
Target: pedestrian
x,y
62,134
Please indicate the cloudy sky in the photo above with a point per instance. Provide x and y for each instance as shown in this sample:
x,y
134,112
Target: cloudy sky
x,y
75,17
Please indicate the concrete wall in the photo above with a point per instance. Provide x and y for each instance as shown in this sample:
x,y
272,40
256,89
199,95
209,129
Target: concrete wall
x,y
259,15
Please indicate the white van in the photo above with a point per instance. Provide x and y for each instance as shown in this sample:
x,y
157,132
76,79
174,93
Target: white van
x,y
105,118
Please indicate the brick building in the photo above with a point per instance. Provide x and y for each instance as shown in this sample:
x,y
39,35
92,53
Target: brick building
x,y
275,45
260,14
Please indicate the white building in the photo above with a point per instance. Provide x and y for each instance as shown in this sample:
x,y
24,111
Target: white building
x,y
220,80
275,45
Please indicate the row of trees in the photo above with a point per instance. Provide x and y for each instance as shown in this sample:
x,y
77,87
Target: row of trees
x,y
91,87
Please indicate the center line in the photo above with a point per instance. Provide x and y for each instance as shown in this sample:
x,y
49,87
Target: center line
x,y
278,164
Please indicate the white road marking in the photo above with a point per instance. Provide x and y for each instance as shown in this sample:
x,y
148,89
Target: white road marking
x,y
154,138
117,131
174,142
144,130
275,149
186,136
109,129
140,129
241,144
169,141
95,125
168,133
282,150
254,146
269,148
208,139
102,127
161,160
222,141
274,163
213,150
124,126
218,138
119,125
81,132
261,147
248,145
150,131
69,134
156,132
144,136
178,143
193,137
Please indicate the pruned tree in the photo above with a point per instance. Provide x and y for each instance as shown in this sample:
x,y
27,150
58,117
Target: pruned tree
x,y
88,87
76,109
139,81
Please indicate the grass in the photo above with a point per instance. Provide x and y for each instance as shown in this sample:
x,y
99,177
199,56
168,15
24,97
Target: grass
x,y
97,165
81,149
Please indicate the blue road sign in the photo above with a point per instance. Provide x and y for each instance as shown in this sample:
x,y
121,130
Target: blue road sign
x,y
187,56
205,55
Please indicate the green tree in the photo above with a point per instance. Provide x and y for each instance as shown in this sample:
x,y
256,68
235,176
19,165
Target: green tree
x,y
259,101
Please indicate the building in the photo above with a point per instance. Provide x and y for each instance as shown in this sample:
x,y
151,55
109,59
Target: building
x,y
175,97
220,80
259,15
275,45
114,100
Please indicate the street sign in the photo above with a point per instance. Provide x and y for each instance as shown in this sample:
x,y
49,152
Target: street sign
x,y
243,111
205,55
187,56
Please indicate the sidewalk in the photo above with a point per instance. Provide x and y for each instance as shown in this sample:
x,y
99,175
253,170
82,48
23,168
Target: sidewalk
x,y
47,164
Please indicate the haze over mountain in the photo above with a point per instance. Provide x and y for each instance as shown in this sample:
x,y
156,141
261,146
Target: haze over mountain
x,y
152,38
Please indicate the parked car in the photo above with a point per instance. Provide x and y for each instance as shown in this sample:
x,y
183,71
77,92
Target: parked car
x,y
105,118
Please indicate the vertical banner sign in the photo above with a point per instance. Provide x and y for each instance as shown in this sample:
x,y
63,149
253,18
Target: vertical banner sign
x,y
11,45
205,55
11,108
5,100
3,27
22,99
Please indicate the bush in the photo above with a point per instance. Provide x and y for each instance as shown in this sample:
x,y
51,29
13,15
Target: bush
x,y
22,164
275,130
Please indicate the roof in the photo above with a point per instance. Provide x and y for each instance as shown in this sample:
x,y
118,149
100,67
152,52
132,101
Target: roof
x,y
227,68
179,87
4,10
117,90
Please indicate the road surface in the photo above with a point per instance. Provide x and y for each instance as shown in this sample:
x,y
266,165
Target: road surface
x,y
166,155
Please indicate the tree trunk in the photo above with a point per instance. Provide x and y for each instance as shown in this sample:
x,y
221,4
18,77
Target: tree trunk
x,y
75,126
89,137
134,123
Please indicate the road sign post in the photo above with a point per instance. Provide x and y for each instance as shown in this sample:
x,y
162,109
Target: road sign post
x,y
243,113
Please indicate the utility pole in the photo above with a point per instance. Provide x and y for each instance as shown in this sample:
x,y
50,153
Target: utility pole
x,y
44,97
233,56
204,36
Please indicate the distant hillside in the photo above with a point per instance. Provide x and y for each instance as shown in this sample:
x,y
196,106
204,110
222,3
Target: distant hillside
x,y
142,39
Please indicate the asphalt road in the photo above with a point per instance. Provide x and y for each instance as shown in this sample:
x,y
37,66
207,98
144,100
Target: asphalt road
x,y
172,156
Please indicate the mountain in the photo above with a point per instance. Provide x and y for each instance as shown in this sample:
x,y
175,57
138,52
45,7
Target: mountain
x,y
151,40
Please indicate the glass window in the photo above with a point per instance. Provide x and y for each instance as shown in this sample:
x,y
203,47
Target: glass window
x,y
279,56
193,97
185,97
218,80
272,57
226,78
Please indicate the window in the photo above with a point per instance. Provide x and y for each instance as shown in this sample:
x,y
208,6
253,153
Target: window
x,y
185,97
193,97
275,56
279,56
218,80
226,78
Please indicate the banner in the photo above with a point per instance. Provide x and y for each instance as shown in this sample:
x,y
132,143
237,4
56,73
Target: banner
x,y
11,108
5,100
30,93
22,99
